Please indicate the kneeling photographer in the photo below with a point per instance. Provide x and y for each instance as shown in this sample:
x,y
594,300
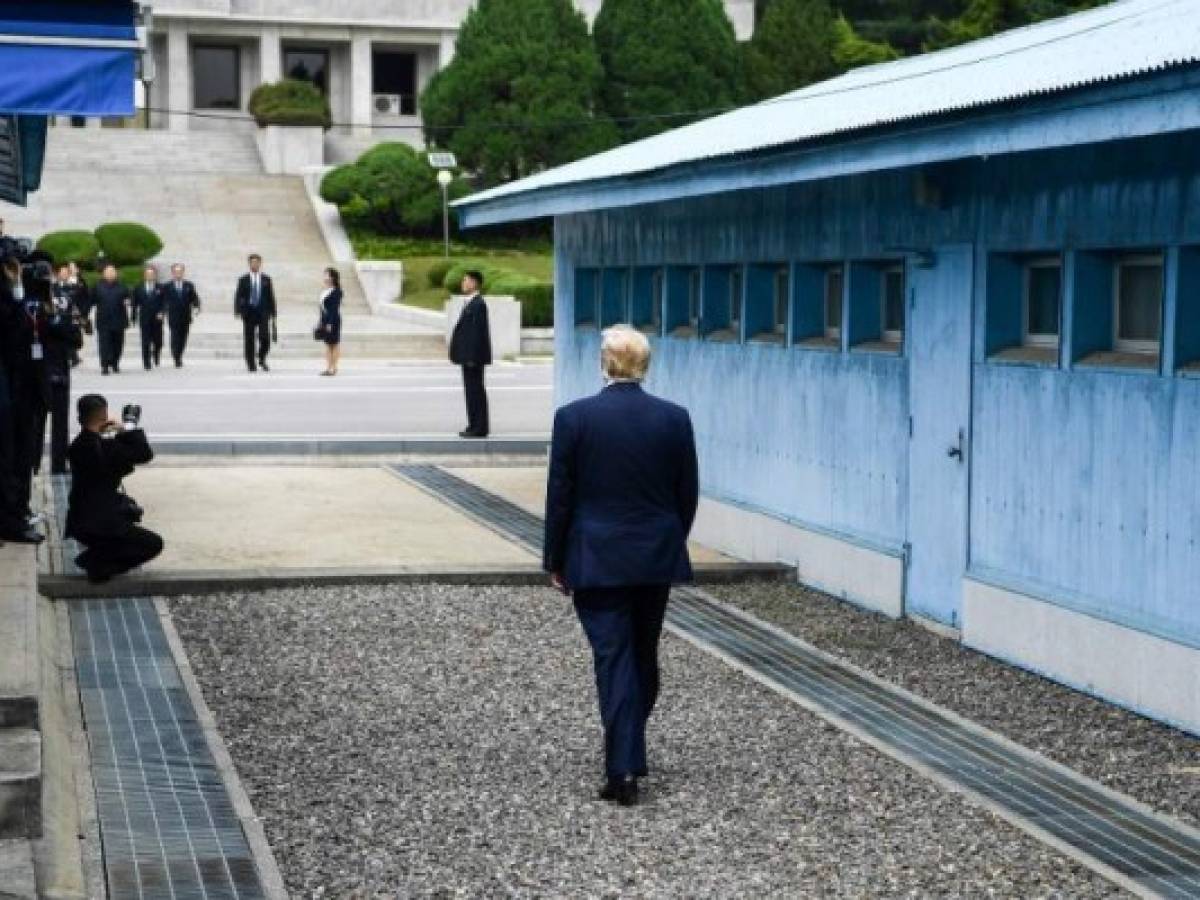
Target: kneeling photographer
x,y
101,516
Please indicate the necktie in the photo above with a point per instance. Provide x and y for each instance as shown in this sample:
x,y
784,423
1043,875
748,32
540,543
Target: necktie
x,y
255,291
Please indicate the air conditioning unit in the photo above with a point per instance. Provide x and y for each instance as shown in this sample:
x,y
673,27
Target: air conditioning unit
x,y
388,104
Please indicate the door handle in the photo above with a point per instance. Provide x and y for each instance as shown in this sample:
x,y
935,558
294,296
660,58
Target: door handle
x,y
956,452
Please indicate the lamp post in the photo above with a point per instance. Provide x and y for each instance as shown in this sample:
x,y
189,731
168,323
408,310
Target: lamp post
x,y
444,177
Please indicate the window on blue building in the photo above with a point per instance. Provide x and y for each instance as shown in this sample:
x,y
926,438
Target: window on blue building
x,y
721,303
587,297
1024,307
1138,303
781,301
614,297
768,303
646,300
835,279
681,301
892,301
1042,302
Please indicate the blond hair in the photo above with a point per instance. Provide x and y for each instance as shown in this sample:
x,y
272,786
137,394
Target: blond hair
x,y
624,353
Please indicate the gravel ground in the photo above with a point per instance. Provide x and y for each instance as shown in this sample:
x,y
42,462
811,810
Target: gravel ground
x,y
443,741
1157,765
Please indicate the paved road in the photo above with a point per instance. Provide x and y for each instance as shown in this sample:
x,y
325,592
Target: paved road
x,y
212,399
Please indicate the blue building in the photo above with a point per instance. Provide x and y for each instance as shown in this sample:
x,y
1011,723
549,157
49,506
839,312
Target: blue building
x,y
938,325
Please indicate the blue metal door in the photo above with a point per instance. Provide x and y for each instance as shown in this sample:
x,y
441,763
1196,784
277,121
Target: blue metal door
x,y
939,365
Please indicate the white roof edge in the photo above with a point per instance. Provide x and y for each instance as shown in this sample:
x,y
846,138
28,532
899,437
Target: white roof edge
x,y
1120,40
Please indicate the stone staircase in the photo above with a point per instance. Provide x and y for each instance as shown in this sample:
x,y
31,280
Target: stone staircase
x,y
206,195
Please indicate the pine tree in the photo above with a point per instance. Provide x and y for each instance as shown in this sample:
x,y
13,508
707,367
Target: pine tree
x,y
666,62
522,91
792,47
851,51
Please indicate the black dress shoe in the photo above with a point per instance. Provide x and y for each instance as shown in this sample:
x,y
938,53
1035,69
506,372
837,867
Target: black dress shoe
x,y
98,577
22,535
262,362
104,371
468,433
622,790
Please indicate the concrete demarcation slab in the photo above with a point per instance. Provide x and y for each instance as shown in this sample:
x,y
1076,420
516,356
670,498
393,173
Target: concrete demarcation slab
x,y
304,517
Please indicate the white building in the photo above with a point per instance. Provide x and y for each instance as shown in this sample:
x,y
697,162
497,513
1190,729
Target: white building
x,y
371,57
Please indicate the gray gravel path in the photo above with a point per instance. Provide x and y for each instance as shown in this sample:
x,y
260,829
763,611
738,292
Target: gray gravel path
x,y
436,741
1153,763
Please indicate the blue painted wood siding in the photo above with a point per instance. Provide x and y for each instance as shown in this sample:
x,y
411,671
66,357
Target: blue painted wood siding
x,y
1085,485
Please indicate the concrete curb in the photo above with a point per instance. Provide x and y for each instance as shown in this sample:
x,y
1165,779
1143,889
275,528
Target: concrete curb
x,y
487,448
264,859
174,584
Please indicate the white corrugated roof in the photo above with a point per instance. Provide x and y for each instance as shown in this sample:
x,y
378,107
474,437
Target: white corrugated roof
x,y
1118,40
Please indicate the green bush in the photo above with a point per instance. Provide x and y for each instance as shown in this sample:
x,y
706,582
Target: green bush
x,y
289,102
78,247
392,189
537,305
127,243
438,271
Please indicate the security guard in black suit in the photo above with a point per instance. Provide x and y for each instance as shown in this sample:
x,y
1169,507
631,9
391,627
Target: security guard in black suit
x,y
15,524
471,348
182,302
148,312
254,304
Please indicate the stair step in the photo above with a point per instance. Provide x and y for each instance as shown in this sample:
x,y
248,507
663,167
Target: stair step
x,y
19,671
20,783
17,878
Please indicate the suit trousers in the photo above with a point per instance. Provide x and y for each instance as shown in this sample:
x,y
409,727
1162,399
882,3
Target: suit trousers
x,y
179,336
60,410
623,626
117,555
152,342
112,342
12,509
255,328
477,402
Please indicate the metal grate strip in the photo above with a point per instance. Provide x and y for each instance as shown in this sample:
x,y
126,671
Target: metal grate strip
x,y
1148,852
167,825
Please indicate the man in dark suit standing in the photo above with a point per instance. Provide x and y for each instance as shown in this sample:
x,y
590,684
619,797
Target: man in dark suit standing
x,y
471,348
620,500
182,301
110,300
148,313
254,304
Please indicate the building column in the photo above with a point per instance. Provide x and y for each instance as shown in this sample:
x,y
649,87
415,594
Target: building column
x,y
270,55
179,77
446,48
360,85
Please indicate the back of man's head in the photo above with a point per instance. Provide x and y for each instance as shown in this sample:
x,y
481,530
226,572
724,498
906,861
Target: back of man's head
x,y
624,353
93,410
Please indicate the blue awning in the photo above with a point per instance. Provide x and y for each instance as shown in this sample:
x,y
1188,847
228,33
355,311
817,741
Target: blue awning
x,y
68,57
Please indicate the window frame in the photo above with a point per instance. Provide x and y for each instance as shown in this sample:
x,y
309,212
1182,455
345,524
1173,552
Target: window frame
x,y
695,295
236,50
737,299
833,333
658,297
886,336
1119,344
1042,261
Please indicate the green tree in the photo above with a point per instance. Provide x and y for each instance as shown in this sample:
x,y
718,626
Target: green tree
x,y
792,47
982,18
521,93
850,50
666,62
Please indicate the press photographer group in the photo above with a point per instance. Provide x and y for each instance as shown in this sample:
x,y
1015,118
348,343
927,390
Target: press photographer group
x,y
42,323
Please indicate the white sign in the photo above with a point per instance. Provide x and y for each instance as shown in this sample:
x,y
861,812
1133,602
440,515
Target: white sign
x,y
442,160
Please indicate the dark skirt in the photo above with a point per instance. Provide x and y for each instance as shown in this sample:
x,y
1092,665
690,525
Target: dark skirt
x,y
333,336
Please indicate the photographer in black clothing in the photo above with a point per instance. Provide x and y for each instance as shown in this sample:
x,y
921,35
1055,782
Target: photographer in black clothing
x,y
101,516
15,524
62,338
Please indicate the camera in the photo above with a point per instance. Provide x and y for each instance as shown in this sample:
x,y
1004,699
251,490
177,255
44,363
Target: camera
x,y
131,414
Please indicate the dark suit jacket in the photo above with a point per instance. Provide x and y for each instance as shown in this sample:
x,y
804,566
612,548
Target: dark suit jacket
x,y
266,302
331,309
471,342
147,305
98,465
622,491
109,301
180,305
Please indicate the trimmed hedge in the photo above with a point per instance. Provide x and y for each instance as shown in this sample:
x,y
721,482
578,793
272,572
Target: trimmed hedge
x,y
127,243
80,247
536,297
289,102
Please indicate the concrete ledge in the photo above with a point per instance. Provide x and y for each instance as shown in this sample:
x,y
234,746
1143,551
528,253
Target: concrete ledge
x,y
488,448
382,282
867,576
171,584
20,783
290,149
1147,674
17,880
412,315
19,670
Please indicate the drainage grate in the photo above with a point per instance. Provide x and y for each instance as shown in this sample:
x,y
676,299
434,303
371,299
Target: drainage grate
x,y
166,822
1147,852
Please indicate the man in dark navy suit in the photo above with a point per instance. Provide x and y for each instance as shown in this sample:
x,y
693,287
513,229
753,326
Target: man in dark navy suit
x,y
148,313
182,302
254,304
620,501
